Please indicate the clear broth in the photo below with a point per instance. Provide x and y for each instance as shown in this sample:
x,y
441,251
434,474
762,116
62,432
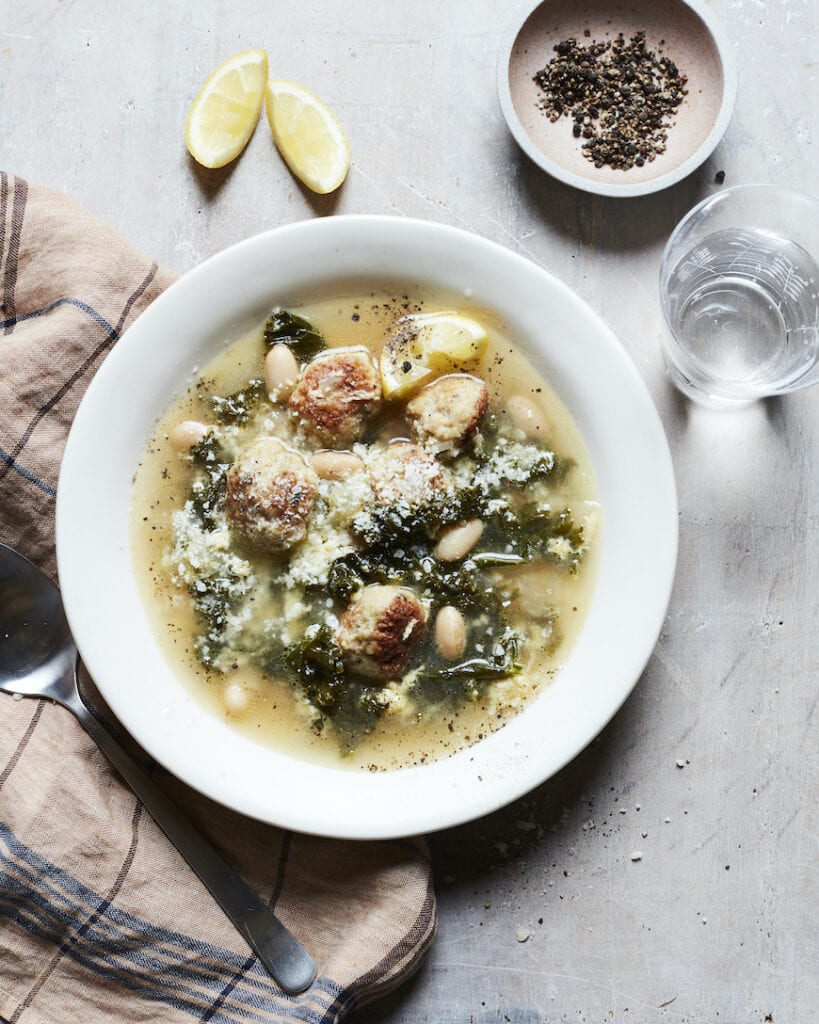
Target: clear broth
x,y
275,716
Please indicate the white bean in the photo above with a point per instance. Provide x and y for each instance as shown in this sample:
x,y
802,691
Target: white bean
x,y
237,699
450,632
281,371
187,434
457,541
335,465
528,417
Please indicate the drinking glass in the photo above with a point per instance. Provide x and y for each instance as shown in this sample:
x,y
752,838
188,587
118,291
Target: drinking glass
x,y
738,285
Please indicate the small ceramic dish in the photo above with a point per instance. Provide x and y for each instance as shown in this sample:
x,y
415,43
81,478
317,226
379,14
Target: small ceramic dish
x,y
157,359
683,30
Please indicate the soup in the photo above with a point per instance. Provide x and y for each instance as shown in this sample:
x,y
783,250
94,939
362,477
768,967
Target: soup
x,y
367,533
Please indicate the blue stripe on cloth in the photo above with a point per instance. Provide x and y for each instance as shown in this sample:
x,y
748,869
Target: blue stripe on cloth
x,y
141,986
211,1002
113,335
26,474
143,967
217,1004
107,962
51,897
82,894
78,303
45,873
133,963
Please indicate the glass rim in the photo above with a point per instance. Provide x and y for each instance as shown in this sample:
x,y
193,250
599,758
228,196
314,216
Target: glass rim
x,y
712,200
783,190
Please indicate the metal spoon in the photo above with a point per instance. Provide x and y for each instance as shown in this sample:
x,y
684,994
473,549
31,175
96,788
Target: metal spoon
x,y
38,659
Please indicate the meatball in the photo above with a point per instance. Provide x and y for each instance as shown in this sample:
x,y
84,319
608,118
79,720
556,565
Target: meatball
x,y
336,393
404,472
449,411
270,495
379,629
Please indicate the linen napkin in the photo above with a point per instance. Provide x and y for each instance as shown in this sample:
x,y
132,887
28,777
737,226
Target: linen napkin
x,y
100,919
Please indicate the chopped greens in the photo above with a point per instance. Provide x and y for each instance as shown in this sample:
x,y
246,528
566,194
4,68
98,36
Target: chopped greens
x,y
215,595
442,684
316,659
237,408
539,533
301,337
397,544
207,492
352,704
221,580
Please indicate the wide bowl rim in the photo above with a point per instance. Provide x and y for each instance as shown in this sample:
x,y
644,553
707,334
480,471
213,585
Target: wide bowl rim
x,y
610,189
373,794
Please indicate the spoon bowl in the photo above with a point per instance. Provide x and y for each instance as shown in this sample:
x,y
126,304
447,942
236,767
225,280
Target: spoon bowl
x,y
37,652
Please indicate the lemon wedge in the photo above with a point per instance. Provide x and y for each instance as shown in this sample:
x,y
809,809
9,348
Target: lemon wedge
x,y
226,109
426,345
307,135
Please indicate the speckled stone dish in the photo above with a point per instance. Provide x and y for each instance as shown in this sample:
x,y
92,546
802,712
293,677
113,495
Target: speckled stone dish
x,y
690,37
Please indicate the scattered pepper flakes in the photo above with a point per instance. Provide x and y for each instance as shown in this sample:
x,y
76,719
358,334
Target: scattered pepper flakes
x,y
620,96
637,855
522,935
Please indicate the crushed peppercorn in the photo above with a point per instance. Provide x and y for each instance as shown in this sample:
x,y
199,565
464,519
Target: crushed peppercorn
x,y
620,96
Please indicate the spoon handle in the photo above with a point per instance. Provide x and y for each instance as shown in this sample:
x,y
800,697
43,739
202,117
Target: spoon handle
x,y
286,960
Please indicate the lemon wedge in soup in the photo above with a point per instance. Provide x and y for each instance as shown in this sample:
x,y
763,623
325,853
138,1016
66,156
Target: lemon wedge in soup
x,y
427,345
307,135
223,115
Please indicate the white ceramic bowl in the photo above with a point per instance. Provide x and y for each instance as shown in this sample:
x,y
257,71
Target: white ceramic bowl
x,y
687,31
187,326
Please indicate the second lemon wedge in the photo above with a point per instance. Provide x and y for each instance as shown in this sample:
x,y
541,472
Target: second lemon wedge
x,y
307,135
223,115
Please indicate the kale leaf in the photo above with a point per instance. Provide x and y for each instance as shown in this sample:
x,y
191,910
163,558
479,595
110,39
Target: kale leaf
x,y
214,597
237,408
443,684
351,704
286,328
553,536
208,492
316,659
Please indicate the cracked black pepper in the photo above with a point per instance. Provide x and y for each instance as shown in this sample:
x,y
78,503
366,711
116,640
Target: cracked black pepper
x,y
620,95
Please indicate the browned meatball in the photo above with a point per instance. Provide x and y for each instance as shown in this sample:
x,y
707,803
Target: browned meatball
x,y
449,411
270,495
379,629
337,392
404,472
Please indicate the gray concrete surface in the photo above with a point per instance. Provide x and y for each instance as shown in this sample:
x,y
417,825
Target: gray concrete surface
x,y
717,922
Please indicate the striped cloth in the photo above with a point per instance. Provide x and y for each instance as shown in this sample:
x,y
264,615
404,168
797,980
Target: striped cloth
x,y
100,919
